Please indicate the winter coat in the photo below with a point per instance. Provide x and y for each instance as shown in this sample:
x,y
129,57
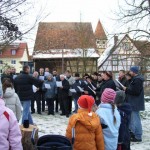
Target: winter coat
x,y
112,130
50,93
63,92
12,101
88,132
71,80
4,76
10,134
105,84
123,81
135,93
23,86
75,86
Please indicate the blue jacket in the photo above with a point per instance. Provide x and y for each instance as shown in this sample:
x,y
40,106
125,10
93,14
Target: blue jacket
x,y
112,130
50,93
135,93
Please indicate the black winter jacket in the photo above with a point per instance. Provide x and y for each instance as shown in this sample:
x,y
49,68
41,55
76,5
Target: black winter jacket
x,y
23,86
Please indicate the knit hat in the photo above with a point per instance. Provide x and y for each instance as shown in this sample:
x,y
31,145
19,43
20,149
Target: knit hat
x,y
86,101
134,69
120,97
108,96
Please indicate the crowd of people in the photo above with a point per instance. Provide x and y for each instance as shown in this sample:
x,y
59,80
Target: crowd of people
x,y
106,110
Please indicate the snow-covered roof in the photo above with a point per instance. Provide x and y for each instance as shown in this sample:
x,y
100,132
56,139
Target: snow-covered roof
x,y
67,53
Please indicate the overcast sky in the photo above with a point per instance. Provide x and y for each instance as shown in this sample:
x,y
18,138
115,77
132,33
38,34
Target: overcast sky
x,y
73,11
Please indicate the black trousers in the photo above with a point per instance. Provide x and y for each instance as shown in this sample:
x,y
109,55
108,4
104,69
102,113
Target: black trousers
x,y
42,98
38,102
57,103
64,105
50,104
69,104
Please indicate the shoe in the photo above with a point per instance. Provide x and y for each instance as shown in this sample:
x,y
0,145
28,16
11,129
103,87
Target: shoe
x,y
62,114
67,116
50,113
136,140
39,113
32,112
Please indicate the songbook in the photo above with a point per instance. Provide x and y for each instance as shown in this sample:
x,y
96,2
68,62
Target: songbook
x,y
81,90
41,77
34,88
14,76
59,83
73,91
47,86
120,83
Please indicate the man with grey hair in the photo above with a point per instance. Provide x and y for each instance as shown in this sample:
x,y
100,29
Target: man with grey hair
x,y
63,95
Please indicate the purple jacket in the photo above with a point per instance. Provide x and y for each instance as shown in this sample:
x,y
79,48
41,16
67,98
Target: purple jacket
x,y
10,134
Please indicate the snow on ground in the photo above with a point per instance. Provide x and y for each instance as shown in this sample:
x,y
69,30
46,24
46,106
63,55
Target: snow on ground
x,y
57,124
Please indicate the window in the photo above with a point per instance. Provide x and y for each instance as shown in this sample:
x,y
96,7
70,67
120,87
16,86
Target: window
x,y
1,62
98,42
13,52
0,52
13,61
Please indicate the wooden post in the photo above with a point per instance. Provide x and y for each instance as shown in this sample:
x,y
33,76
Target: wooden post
x,y
26,137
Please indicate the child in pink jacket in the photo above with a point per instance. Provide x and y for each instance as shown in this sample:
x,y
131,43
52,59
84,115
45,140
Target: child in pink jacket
x,y
10,134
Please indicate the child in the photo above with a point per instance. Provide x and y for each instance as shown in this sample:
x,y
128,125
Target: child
x,y
125,113
110,119
88,131
10,135
11,99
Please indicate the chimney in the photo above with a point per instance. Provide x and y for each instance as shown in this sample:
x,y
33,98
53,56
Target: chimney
x,y
115,39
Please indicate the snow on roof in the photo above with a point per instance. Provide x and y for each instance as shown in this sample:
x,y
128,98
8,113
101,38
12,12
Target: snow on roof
x,y
67,53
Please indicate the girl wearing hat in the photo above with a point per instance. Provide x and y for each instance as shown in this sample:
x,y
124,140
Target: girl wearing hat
x,y
88,131
110,119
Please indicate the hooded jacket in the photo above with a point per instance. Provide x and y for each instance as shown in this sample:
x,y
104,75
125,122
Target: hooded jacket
x,y
88,131
111,132
12,101
10,134
135,94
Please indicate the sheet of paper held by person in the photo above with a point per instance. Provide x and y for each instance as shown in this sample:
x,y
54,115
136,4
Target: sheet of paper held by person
x,y
47,86
59,83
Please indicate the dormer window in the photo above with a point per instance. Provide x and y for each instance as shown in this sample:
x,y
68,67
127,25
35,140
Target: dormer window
x,y
13,52
0,52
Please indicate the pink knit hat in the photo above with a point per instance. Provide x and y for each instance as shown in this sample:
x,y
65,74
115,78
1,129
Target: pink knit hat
x,y
108,96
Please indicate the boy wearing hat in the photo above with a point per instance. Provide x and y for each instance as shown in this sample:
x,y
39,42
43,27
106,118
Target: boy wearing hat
x,y
88,131
110,119
135,97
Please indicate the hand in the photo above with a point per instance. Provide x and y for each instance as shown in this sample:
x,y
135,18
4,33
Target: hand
x,y
61,87
124,88
86,92
37,89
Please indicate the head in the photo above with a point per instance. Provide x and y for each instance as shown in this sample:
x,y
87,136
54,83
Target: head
x,y
41,70
77,76
121,73
26,69
35,74
49,77
95,75
89,79
85,76
68,73
134,70
13,70
120,97
128,76
6,84
8,71
54,73
99,77
62,77
86,102
108,97
46,69
106,75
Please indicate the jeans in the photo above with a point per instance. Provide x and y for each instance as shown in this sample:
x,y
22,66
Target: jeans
x,y
26,114
135,124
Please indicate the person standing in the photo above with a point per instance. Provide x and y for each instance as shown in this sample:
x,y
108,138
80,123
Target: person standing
x,y
86,124
23,85
11,99
135,97
63,92
122,78
50,88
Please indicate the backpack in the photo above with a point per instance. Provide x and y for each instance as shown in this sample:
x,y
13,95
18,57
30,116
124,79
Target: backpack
x,y
124,133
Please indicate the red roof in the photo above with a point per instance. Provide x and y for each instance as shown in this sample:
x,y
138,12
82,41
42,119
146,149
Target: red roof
x,y
99,32
20,48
